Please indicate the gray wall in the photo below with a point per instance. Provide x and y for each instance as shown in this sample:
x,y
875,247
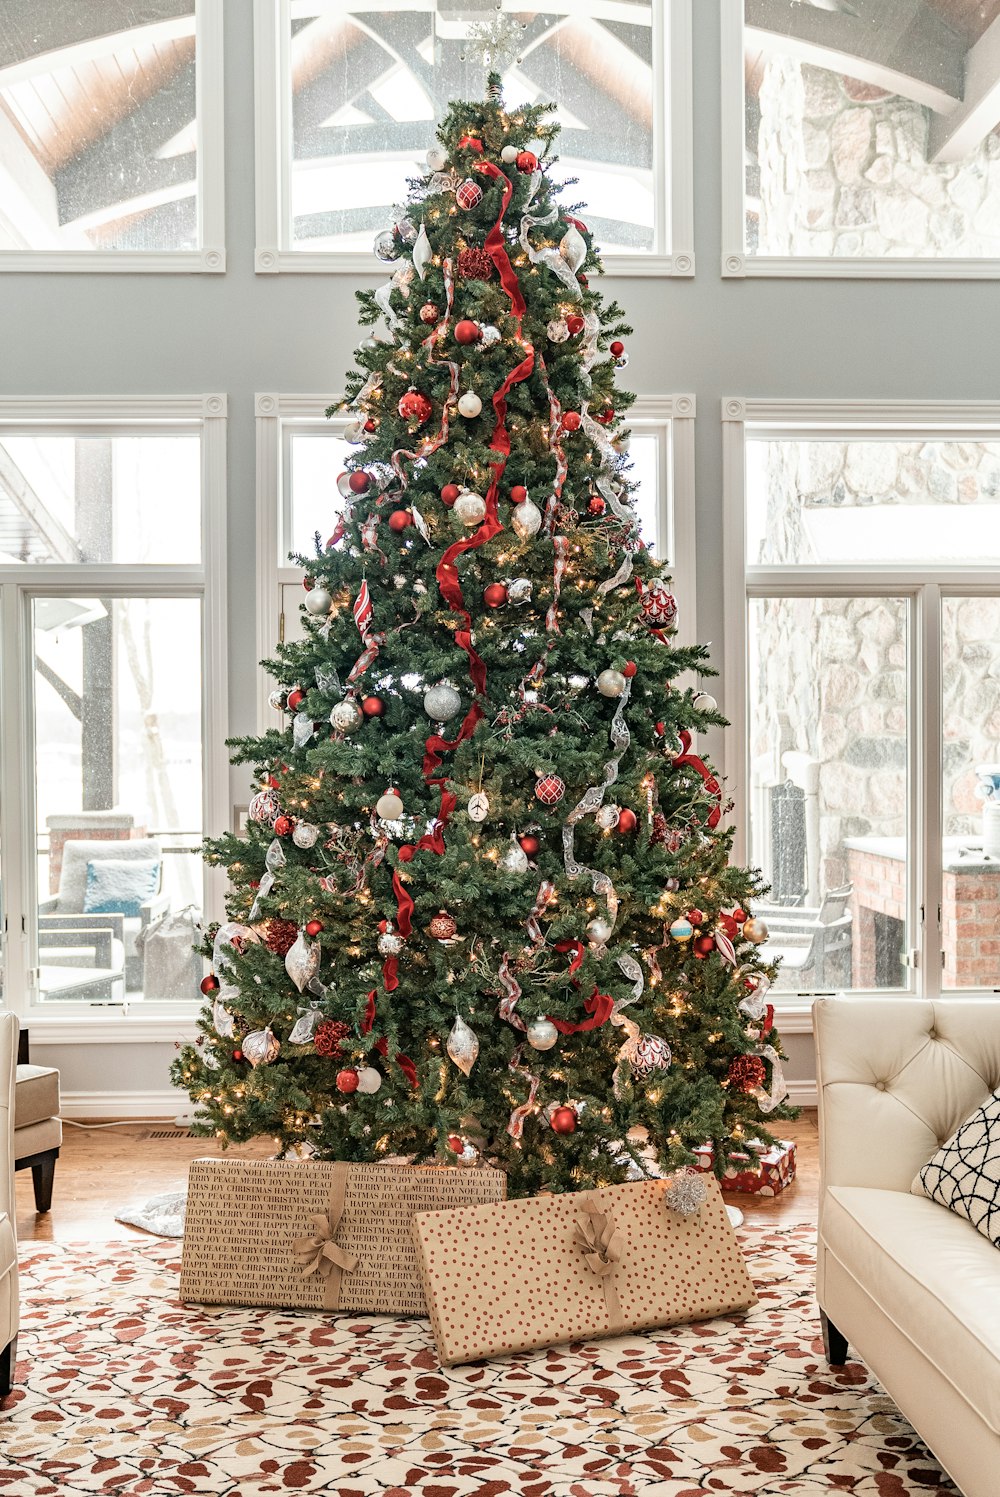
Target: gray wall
x,y
239,333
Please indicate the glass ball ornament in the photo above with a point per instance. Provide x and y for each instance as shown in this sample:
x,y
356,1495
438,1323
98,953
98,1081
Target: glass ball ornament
x,y
509,154
519,591
755,931
415,406
389,806
549,789
429,313
347,1081
407,230
599,931
622,361
611,683
542,1034
345,716
369,1080
469,195
386,245
344,485
489,335
607,818
515,859
442,702
651,1054
563,1120
469,509
557,331
681,930
442,927
390,943
705,702
526,519
276,701
318,601
437,158
469,405
305,836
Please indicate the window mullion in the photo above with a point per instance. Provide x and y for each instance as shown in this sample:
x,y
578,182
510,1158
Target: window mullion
x,y
926,781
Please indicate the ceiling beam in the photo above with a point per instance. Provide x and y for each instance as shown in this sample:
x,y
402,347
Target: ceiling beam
x,y
900,45
66,36
955,136
29,214
26,500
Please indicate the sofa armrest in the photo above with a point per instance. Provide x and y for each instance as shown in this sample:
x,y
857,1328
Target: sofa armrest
x,y
95,942
112,922
48,906
153,909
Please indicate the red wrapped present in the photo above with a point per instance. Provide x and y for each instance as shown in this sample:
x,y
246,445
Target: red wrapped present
x,y
759,1169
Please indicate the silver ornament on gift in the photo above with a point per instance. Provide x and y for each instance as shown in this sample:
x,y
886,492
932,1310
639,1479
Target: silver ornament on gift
x,y
305,835
650,1054
463,1045
607,818
385,246
557,331
318,601
469,509
526,519
346,716
519,591
442,702
599,931
611,683
686,1192
260,1047
542,1034
305,1026
390,943
302,960
515,859
479,806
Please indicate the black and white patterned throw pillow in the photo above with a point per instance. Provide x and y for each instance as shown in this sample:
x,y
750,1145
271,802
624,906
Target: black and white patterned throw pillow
x,y
964,1174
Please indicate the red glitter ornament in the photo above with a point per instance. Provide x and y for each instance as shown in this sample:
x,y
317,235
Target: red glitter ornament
x,y
529,845
413,406
283,826
617,348
449,494
314,927
563,1120
572,421
629,669
359,481
597,505
526,161
471,143
371,424
549,789
280,935
704,945
429,313
372,706
747,1073
400,519
237,1055
328,1037
696,917
606,416
347,1080
659,831
518,494
575,323
474,264
295,699
467,331
627,820
495,596
209,984
740,916
442,926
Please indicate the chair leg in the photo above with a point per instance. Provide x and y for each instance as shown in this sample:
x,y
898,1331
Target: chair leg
x,y
42,1177
834,1343
8,1360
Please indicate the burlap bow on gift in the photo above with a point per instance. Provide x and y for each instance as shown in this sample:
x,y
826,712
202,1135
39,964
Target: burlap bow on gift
x,y
602,1245
320,1253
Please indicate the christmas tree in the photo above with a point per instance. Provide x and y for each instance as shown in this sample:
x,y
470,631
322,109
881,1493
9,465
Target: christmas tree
x,y
484,909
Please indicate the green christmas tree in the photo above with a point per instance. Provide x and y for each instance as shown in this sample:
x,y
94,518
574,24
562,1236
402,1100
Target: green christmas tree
x,y
485,908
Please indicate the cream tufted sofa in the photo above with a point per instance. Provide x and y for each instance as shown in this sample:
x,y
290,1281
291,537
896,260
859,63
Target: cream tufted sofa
x,y
914,1289
8,1239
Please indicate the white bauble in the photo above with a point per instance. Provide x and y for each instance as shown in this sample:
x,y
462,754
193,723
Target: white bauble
x,y
598,931
436,158
526,519
573,248
515,859
369,1080
442,702
509,154
345,717
305,835
389,806
705,702
355,432
607,818
318,601
557,331
489,336
390,943
469,509
469,404
611,683
542,1034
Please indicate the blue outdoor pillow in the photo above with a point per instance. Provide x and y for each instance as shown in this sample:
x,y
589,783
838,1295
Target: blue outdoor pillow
x,y
120,886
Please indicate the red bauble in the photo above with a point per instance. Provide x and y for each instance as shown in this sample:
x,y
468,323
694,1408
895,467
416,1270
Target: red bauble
x,y
471,143
237,1055
572,421
429,313
474,264
308,583
597,505
740,916
563,1120
372,706
469,195
442,927
526,161
606,416
313,927
455,1144
747,1073
328,1037
549,789
280,935
359,481
209,984
575,323
627,820
371,424
413,406
629,669
661,728
529,845
704,945
495,596
518,494
696,917
283,825
400,519
295,699
617,348
347,1080
467,331
449,494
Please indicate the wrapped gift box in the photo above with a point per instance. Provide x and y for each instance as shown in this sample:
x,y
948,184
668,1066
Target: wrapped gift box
x,y
556,1268
314,1235
759,1169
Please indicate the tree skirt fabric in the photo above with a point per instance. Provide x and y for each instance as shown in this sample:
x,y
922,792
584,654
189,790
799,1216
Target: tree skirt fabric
x,y
122,1390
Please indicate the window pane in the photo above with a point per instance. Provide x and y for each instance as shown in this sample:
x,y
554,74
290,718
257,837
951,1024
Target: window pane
x,y
869,500
98,126
970,912
644,452
828,787
100,499
118,796
883,153
368,86
315,459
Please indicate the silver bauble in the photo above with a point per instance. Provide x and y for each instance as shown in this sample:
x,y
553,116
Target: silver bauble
x,y
469,509
607,818
305,835
542,1034
469,405
436,158
318,601
599,931
390,943
386,248
489,335
302,960
515,859
573,248
755,931
611,683
260,1047
557,331
526,519
442,702
345,716
369,1080
519,591
276,701
463,1045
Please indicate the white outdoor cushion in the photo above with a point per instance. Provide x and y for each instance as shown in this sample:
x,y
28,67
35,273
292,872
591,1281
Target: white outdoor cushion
x,y
964,1174
79,851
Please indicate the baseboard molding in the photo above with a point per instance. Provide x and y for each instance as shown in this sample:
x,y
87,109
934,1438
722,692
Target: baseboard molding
x,y
160,1105
803,1094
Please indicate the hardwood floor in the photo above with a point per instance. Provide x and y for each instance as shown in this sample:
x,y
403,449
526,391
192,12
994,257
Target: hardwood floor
x,y
101,1171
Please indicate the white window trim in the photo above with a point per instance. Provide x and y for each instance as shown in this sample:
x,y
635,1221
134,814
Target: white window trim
x,y
922,586
673,153
738,264
674,414
52,1022
210,257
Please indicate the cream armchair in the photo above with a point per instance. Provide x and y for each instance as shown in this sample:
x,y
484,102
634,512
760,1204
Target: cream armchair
x,y
913,1288
8,1236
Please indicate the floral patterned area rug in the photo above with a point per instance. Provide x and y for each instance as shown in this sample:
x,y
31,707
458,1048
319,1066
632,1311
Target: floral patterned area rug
x,y
121,1390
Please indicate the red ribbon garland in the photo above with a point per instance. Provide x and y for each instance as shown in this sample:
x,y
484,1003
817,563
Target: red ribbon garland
x,y
404,1062
368,1022
577,949
435,745
712,786
598,1006
390,971
494,242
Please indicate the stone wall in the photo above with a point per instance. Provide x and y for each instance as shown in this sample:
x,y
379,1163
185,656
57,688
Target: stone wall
x,y
842,170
